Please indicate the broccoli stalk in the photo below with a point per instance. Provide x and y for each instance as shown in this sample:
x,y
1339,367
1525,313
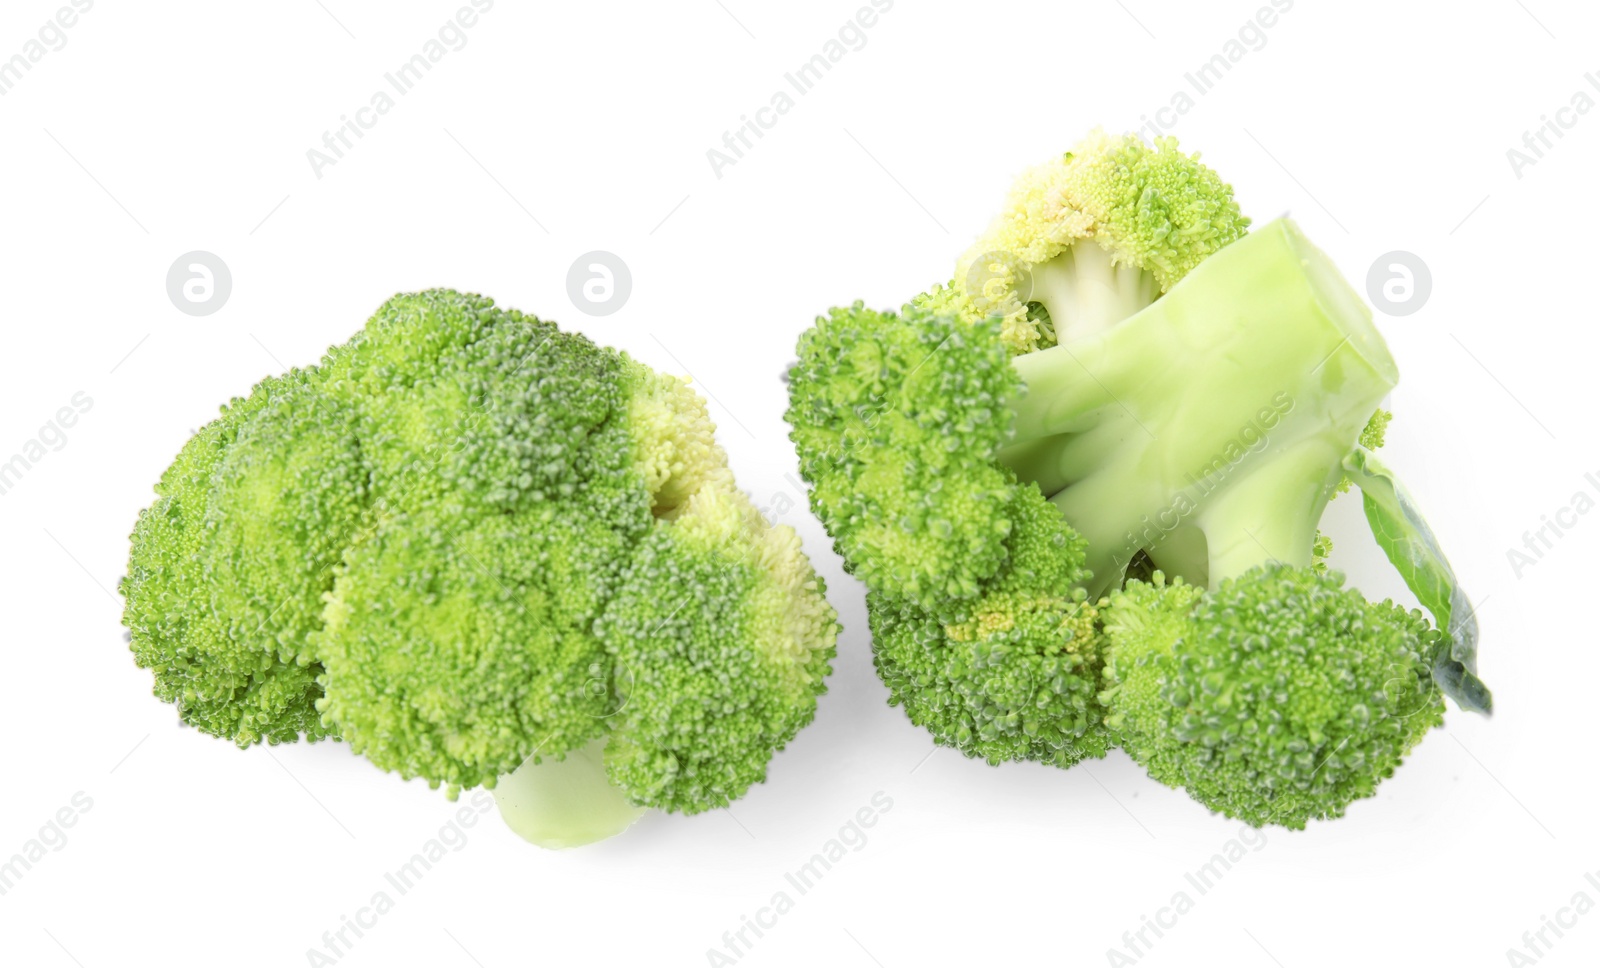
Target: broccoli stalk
x,y
1085,291
1207,430
566,802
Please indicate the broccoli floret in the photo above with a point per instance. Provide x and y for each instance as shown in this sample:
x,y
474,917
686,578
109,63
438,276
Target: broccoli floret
x,y
1372,436
1321,551
715,636
897,419
225,672
1091,238
1010,674
1281,697
456,644
469,545
1186,398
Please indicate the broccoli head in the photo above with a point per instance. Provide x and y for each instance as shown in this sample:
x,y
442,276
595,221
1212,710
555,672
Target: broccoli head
x,y
469,544
1009,674
1281,697
1122,386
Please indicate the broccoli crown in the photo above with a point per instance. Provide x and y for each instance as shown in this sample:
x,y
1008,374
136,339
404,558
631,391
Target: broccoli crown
x,y
1279,697
897,419
1013,673
1188,402
716,638
466,541
978,629
1152,212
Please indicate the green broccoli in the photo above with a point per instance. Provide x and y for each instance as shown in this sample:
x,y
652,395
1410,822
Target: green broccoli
x,y
1091,238
469,545
1280,697
1015,463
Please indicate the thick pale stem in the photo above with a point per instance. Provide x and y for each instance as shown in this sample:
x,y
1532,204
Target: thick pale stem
x,y
1269,514
1086,294
1072,388
1262,361
565,803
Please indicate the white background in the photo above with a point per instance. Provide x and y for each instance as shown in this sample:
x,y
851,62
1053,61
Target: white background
x,y
162,128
